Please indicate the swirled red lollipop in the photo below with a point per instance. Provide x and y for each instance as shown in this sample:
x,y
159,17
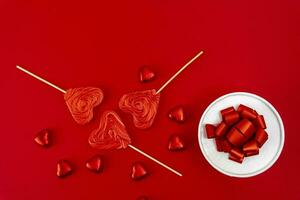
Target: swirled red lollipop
x,y
112,134
143,105
80,101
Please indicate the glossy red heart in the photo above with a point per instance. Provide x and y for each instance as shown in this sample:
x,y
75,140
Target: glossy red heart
x,y
177,114
138,171
94,164
142,105
176,143
81,102
43,138
111,133
64,168
146,74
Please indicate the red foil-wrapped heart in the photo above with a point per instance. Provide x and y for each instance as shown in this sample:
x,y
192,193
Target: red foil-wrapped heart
x,y
142,105
63,168
81,102
210,130
146,74
177,114
43,138
221,129
138,171
111,133
95,164
236,155
261,137
176,143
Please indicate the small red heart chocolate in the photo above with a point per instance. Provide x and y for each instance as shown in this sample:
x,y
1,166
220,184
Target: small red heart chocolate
x,y
43,138
175,143
138,171
64,168
177,114
81,102
146,74
94,164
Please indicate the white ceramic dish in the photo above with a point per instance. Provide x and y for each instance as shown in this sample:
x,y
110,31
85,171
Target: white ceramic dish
x,y
269,152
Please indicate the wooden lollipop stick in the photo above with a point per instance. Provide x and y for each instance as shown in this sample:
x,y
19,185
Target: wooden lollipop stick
x,y
155,160
177,73
40,79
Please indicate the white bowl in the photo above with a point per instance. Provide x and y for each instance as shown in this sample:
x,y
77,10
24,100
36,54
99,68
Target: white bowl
x,y
253,165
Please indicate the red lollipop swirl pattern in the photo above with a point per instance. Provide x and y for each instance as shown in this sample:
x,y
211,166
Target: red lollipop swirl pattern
x,y
111,133
81,102
142,105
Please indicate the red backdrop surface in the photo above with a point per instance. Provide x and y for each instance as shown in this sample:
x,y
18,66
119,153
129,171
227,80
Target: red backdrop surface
x,y
249,46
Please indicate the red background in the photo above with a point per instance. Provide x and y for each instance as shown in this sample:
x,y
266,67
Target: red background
x,y
249,46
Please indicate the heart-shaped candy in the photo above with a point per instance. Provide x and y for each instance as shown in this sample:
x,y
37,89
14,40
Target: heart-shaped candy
x,y
146,74
111,133
176,143
64,168
81,102
94,164
142,105
138,171
43,138
177,114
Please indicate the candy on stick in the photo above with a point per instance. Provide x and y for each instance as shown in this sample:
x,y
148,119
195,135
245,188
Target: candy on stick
x,y
142,105
80,101
112,134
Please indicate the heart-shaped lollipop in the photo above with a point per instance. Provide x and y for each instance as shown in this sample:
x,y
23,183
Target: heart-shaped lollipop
x,y
142,105
80,101
111,133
